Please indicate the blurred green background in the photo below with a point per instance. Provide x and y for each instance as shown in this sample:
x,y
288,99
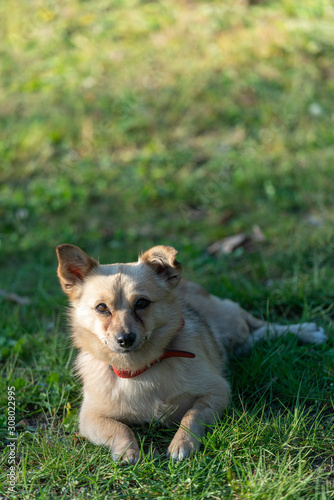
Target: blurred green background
x,y
130,123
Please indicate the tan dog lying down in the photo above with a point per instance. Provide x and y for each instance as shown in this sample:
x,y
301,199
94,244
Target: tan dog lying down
x,y
153,347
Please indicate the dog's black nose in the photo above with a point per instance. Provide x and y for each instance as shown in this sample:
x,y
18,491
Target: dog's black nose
x,y
126,339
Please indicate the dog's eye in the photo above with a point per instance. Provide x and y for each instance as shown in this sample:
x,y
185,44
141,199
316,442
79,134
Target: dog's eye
x,y
101,308
142,304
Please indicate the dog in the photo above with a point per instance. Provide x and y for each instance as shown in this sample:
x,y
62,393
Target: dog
x,y
154,347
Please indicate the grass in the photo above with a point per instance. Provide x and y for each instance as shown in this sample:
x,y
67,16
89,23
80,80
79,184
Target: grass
x,y
131,123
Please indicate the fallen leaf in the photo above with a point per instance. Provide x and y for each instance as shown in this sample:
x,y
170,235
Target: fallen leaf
x,y
23,301
227,245
257,234
230,243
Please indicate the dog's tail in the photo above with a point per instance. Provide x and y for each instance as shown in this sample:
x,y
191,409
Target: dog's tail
x,y
306,333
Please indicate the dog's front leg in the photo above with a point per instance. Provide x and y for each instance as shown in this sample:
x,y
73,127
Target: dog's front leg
x,y
112,434
205,411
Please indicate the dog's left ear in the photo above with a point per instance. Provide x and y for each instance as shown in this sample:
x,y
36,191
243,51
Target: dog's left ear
x,y
162,260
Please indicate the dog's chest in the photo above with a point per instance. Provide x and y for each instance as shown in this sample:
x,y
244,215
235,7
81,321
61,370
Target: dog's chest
x,y
165,391
150,397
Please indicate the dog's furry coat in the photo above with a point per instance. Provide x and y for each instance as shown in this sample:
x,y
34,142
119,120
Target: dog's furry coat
x,y
123,318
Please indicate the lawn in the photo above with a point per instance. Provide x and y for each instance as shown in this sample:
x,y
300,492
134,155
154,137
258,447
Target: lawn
x,y
129,123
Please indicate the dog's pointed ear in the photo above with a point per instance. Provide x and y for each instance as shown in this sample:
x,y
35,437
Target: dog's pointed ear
x,y
162,260
74,266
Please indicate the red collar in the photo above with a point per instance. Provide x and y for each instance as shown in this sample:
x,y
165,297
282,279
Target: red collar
x,y
169,353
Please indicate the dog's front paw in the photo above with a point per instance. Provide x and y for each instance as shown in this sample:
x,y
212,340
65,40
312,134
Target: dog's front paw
x,y
183,445
124,446
128,456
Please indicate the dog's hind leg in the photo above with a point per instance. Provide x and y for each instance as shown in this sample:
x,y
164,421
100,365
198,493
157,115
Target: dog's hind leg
x,y
306,333
237,329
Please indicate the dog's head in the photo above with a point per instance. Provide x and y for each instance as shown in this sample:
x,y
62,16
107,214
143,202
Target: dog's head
x,y
123,314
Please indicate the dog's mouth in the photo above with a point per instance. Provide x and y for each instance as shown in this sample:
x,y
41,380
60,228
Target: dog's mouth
x,y
123,351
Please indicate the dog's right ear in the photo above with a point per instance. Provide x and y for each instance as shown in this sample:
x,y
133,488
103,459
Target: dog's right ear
x,y
74,266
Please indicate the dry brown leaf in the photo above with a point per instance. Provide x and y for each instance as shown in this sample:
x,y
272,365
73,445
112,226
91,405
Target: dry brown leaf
x,y
230,243
23,301
257,234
